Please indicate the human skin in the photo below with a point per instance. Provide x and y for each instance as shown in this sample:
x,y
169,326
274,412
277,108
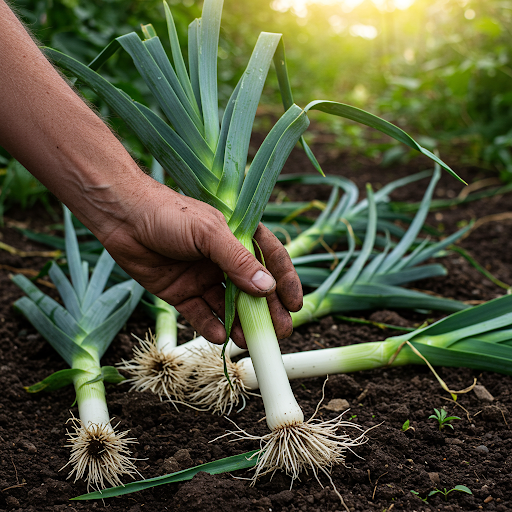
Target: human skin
x,y
176,247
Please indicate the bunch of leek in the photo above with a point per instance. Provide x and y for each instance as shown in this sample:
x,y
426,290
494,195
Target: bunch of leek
x,y
207,160
81,331
376,283
379,286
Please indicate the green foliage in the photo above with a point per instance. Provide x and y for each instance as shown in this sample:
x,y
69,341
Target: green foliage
x,y
19,187
442,418
439,68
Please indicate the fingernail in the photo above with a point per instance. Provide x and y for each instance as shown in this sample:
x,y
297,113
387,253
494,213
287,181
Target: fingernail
x,y
263,281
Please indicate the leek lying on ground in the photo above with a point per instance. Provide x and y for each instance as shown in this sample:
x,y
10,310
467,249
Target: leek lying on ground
x,y
81,332
479,338
207,160
158,365
341,212
376,283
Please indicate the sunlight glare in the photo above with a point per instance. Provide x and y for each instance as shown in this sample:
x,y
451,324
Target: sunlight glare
x,y
364,31
300,7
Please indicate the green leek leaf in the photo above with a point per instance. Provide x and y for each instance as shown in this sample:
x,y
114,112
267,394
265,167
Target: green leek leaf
x,y
266,182
228,464
240,127
177,56
56,380
363,117
78,278
194,31
208,50
165,95
99,278
58,339
156,50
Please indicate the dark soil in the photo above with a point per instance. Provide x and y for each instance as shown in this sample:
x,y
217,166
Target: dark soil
x,y
379,476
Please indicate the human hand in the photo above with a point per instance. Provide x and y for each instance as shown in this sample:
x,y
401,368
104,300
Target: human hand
x,y
178,248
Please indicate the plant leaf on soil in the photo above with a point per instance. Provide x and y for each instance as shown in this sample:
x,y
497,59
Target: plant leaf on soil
x,y
233,463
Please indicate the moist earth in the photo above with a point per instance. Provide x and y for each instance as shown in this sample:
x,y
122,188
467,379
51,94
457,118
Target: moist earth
x,y
378,476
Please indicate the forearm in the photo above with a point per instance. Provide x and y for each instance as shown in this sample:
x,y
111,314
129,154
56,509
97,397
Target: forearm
x,y
58,138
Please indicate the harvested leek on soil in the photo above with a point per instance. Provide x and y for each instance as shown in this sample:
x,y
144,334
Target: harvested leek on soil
x,y
207,160
81,332
377,283
339,214
158,365
479,338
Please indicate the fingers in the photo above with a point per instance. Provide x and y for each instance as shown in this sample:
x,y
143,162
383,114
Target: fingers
x,y
201,318
216,242
281,318
277,260
203,314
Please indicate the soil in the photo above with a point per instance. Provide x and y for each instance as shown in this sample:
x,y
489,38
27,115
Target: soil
x,y
378,476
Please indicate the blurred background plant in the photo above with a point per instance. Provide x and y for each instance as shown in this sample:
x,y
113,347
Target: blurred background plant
x,y
440,69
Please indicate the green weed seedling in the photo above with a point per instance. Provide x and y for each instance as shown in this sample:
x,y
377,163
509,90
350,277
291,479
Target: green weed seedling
x,y
407,426
442,419
444,492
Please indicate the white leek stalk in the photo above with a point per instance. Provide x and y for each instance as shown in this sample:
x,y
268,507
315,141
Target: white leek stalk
x,y
99,453
293,444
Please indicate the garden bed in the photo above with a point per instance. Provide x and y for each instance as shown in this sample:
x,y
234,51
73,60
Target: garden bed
x,y
379,475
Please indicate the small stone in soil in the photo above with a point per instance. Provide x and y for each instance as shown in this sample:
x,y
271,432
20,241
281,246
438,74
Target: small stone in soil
x,y
482,393
337,405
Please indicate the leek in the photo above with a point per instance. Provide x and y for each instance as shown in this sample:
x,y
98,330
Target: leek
x,y
157,364
364,285
81,332
376,284
207,160
479,338
339,214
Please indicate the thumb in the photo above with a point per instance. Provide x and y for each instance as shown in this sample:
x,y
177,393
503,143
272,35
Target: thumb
x,y
242,267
